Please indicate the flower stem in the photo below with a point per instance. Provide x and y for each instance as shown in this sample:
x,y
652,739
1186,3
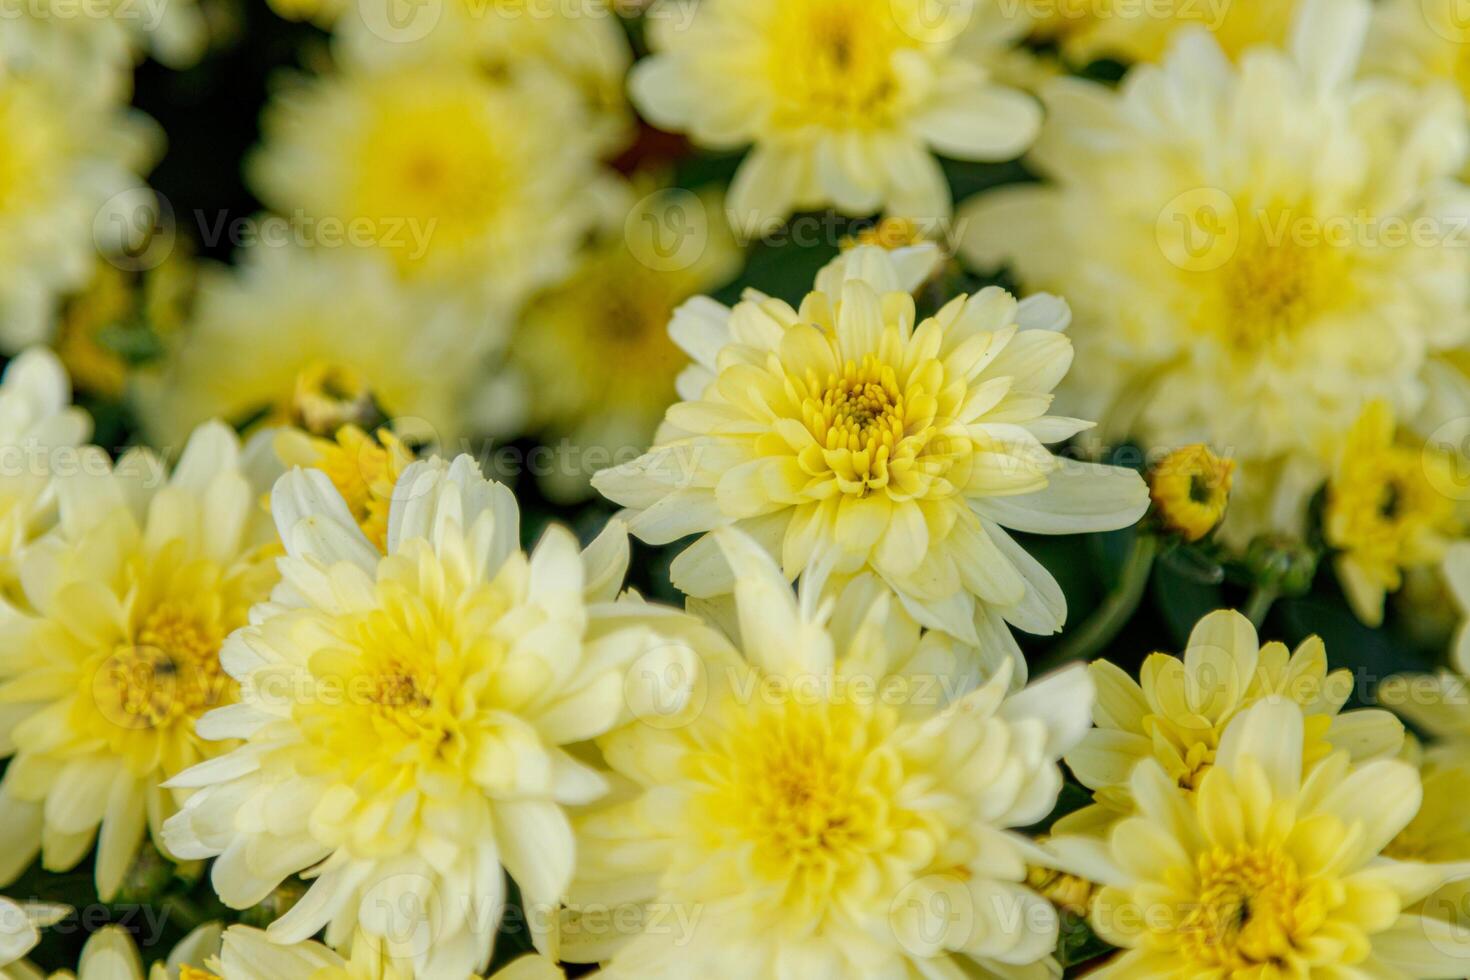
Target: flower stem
x,y
1099,629
1261,599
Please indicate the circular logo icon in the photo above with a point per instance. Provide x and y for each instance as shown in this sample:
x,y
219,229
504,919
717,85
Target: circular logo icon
x,y
666,688
135,230
668,230
1199,230
1446,459
932,913
933,21
1450,19
400,21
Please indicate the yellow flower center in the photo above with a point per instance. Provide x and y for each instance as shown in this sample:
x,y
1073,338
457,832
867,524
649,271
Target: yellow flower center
x,y
832,62
433,167
890,234
808,790
1253,909
1275,285
865,422
187,972
169,673
1383,509
327,396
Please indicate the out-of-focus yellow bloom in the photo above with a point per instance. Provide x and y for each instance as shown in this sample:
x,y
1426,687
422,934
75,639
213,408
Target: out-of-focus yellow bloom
x,y
1178,711
113,652
70,165
581,42
477,187
1271,868
1191,489
1421,41
1127,30
1385,512
850,436
842,99
317,337
364,468
1230,263
592,361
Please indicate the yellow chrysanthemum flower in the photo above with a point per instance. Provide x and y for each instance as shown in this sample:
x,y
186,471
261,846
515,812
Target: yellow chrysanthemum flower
x,y
363,468
443,169
248,955
1234,238
1190,489
842,99
112,651
402,717
1385,512
848,435
591,360
39,428
316,337
1178,715
70,161
825,801
1270,869
111,954
580,41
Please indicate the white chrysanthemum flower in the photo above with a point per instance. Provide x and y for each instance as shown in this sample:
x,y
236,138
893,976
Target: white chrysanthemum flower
x,y
1271,869
843,100
835,803
1235,239
111,649
477,187
38,426
247,954
70,160
402,717
848,434
317,337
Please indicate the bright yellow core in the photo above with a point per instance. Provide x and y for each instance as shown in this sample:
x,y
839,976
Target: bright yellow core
x,y
170,672
1276,284
1253,909
433,168
808,788
865,417
831,62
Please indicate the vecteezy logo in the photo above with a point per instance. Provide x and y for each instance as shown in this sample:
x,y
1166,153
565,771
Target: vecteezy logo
x,y
1199,230
134,230
400,21
668,230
